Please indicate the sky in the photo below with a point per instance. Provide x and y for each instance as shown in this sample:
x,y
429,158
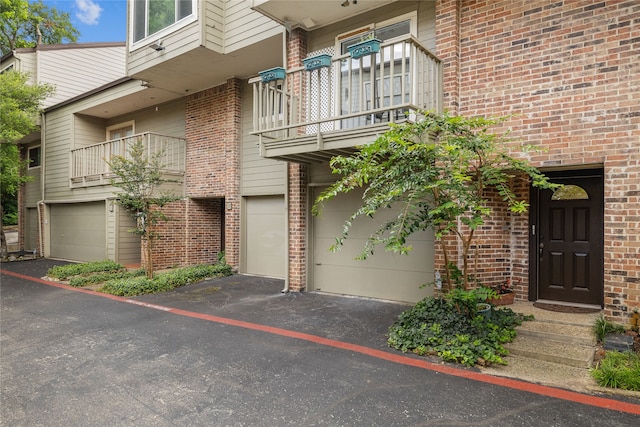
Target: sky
x,y
97,20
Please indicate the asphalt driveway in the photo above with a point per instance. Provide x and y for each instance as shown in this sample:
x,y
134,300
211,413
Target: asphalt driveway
x,y
238,352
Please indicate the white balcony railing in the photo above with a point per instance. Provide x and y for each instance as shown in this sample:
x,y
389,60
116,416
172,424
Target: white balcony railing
x,y
89,165
388,86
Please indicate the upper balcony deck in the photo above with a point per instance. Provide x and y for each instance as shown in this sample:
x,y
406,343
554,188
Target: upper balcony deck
x,y
311,115
90,164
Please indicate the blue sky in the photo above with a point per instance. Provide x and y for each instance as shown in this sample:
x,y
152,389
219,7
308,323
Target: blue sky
x,y
97,20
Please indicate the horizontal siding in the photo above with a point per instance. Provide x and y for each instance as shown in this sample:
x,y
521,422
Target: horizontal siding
x,y
166,119
76,71
259,176
128,243
60,137
88,130
33,190
176,44
214,24
244,26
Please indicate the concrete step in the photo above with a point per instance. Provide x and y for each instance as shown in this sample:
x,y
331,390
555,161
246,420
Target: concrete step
x,y
558,332
550,350
544,372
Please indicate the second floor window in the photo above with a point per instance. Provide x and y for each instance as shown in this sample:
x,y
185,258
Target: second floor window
x,y
34,157
152,16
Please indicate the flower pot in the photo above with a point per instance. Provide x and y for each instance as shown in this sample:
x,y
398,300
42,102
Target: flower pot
x,y
503,299
272,74
318,61
363,48
484,309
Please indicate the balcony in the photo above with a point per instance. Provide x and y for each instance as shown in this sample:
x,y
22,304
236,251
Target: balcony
x,y
311,116
89,165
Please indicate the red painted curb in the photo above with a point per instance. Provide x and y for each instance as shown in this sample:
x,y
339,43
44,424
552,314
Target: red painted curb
x,y
586,399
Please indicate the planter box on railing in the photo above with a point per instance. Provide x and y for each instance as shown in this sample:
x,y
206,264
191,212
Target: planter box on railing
x,y
318,61
272,74
364,48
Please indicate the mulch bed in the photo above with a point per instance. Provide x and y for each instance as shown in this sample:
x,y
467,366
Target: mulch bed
x,y
564,308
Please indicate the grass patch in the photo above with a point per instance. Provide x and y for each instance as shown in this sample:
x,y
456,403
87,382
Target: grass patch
x,y
618,370
63,272
164,281
436,326
602,327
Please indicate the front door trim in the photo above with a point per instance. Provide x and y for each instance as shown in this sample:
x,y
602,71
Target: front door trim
x,y
535,228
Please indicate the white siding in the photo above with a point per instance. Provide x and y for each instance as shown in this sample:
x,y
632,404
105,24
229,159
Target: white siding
x,y
179,42
166,119
259,176
75,71
244,26
66,130
214,24
128,245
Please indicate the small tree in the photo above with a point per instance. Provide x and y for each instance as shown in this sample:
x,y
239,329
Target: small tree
x,y
140,177
29,24
436,171
19,107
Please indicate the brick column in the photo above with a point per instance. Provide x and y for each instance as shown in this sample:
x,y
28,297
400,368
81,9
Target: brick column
x,y
232,140
448,50
297,176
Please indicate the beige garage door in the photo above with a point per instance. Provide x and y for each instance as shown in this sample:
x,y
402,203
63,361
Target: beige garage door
x,y
384,275
78,231
265,236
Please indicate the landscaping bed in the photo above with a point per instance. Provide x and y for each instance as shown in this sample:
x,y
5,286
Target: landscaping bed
x,y
113,278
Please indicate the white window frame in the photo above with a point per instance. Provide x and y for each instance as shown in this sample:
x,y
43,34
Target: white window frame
x,y
29,156
412,17
137,44
131,123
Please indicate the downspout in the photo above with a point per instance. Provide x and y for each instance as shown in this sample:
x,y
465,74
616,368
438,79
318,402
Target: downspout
x,y
43,163
286,188
286,225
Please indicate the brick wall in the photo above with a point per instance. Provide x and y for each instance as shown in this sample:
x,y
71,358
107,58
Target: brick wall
x,y
212,182
568,71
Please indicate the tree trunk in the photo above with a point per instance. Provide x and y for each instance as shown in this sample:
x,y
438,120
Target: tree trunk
x,y
4,252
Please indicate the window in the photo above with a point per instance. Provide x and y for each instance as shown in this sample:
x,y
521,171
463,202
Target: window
x,y
570,192
152,16
34,157
119,131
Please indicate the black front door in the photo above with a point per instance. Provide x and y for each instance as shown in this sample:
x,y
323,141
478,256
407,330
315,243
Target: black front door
x,y
567,246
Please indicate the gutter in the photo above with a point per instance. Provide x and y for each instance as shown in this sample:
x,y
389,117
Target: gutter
x,y
40,205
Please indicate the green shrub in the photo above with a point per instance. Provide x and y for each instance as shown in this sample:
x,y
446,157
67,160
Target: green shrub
x,y
63,272
436,326
80,281
164,281
618,370
602,327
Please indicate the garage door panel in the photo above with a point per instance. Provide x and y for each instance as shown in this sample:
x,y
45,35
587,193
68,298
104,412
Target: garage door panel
x,y
265,236
353,248
377,283
78,231
384,275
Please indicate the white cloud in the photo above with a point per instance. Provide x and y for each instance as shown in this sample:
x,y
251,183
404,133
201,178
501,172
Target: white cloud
x,y
88,11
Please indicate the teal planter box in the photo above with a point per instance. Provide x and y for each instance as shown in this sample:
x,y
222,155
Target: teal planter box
x,y
318,61
272,74
367,47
